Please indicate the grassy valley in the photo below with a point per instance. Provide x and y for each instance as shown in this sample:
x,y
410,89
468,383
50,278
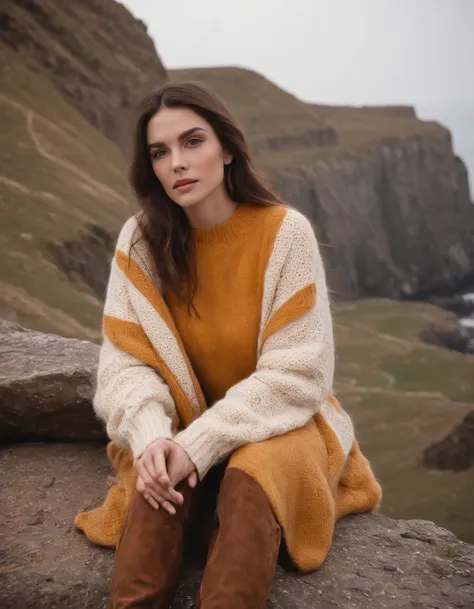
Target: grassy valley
x,y
404,395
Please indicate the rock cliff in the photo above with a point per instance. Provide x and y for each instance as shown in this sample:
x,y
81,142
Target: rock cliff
x,y
384,190
397,216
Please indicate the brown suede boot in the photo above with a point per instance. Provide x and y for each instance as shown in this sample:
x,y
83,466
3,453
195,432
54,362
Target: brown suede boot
x,y
244,553
150,552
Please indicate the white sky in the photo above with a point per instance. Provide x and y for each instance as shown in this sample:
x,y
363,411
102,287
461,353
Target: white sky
x,y
417,52
339,51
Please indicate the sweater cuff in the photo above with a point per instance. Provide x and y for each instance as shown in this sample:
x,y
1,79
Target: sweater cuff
x,y
148,424
203,447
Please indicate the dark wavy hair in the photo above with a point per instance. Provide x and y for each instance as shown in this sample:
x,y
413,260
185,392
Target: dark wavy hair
x,y
162,223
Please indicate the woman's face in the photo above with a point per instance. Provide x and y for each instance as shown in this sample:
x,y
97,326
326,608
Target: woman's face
x,y
186,155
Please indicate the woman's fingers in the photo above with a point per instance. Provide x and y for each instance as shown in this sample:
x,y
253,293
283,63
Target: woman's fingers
x,y
144,473
151,501
169,507
146,468
159,464
162,465
154,499
192,479
163,479
144,488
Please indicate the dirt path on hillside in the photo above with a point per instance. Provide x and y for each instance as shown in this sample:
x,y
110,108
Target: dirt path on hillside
x,y
25,190
30,116
407,347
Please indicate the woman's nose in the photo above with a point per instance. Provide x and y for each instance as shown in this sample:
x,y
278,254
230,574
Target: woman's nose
x,y
177,161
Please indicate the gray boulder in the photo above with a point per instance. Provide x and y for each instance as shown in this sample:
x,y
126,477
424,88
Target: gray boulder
x,y
456,450
46,564
449,335
46,386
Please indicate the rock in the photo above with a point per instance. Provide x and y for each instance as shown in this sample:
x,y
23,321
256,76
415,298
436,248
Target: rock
x,y
397,216
46,564
46,386
450,335
456,450
458,304
85,258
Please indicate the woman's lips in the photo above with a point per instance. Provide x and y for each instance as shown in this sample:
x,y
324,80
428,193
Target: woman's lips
x,y
185,187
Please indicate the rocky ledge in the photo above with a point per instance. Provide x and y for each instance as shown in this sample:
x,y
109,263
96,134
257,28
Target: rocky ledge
x,y
46,564
46,384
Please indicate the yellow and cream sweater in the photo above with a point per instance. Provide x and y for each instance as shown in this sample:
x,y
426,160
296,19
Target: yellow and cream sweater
x,y
263,265
250,377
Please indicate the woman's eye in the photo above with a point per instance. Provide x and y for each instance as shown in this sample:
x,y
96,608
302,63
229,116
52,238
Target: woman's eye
x,y
194,141
157,154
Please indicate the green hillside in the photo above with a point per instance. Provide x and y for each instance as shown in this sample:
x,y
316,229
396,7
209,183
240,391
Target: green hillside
x,y
59,175
263,108
404,395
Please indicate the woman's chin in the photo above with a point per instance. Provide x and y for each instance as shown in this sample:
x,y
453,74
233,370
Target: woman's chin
x,y
187,200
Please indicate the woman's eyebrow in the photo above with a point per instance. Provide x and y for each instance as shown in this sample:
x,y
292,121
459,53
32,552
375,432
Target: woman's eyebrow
x,y
182,137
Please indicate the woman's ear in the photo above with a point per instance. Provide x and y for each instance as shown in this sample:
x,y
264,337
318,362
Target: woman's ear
x,y
228,158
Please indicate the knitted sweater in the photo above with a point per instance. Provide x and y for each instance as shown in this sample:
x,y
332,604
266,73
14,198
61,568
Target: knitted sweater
x,y
250,377
262,265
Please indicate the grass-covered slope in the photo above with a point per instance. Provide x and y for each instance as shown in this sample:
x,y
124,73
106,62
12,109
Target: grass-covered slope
x,y
58,175
404,395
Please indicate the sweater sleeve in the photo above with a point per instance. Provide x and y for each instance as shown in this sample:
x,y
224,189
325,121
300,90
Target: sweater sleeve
x,y
131,398
294,371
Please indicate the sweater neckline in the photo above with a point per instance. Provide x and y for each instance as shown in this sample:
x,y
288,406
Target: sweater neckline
x,y
226,231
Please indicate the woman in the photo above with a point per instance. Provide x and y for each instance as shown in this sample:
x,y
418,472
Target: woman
x,y
216,370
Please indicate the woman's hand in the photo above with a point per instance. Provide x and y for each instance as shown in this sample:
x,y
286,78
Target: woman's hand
x,y
161,467
180,467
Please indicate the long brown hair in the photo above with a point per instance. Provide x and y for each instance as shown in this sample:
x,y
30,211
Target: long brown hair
x,y
163,223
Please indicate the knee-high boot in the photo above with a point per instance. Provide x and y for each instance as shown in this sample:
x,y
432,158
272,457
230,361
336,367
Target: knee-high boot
x,y
150,553
244,553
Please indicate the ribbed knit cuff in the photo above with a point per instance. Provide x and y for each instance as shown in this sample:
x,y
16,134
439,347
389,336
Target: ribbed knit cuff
x,y
148,424
203,447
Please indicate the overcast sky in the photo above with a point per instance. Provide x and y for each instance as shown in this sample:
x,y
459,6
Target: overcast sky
x,y
356,51
419,52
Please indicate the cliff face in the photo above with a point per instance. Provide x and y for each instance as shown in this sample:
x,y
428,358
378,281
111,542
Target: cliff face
x,y
96,53
397,216
383,189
